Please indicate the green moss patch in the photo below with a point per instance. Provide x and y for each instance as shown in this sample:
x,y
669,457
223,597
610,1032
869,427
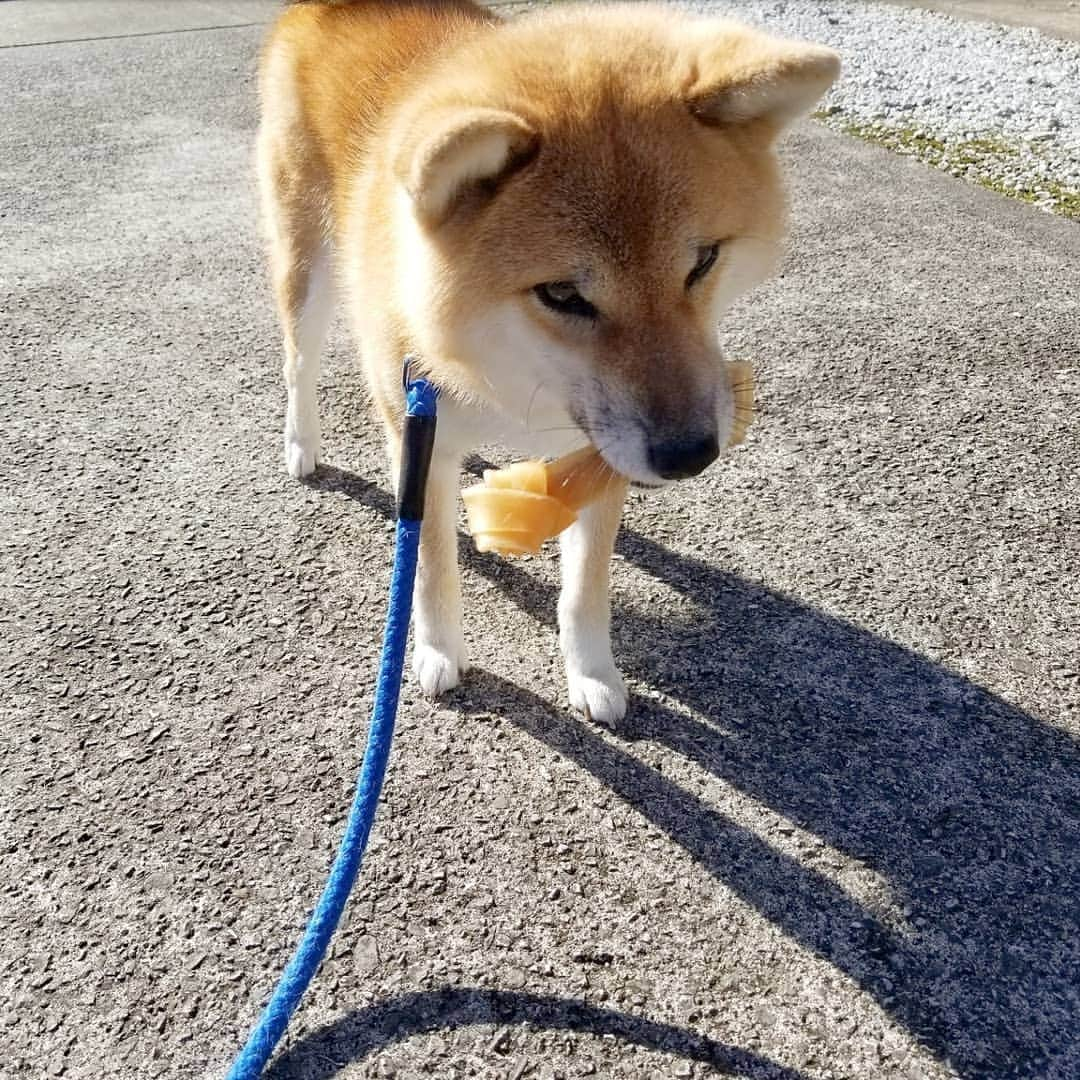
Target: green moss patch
x,y
988,160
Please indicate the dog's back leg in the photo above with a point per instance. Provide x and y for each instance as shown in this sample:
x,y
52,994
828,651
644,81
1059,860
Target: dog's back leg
x,y
295,214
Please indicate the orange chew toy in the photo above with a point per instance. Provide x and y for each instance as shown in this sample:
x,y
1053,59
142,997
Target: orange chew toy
x,y
516,509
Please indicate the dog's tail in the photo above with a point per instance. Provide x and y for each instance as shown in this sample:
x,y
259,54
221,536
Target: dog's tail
x,y
385,3
349,3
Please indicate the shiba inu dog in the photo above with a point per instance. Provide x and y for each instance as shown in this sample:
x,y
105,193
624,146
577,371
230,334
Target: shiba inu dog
x,y
551,213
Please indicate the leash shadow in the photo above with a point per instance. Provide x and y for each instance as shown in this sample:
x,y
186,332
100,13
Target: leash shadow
x,y
322,1054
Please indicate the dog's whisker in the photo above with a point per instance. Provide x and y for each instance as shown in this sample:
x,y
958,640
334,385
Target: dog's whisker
x,y
532,401
552,430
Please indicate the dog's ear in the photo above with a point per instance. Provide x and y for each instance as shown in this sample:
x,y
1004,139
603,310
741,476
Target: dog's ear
x,y
458,151
742,76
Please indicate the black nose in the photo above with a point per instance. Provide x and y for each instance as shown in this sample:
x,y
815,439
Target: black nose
x,y
676,459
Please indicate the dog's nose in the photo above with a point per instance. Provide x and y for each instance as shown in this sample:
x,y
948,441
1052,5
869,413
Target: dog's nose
x,y
676,459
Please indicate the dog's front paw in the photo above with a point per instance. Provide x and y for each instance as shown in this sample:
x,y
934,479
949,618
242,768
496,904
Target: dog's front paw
x,y
438,670
600,696
301,454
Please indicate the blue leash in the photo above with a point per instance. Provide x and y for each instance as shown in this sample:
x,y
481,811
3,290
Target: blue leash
x,y
417,441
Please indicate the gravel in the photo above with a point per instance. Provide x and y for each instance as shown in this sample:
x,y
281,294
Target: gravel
x,y
998,105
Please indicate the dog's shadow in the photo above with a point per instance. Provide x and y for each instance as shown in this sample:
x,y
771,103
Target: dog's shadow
x,y
966,807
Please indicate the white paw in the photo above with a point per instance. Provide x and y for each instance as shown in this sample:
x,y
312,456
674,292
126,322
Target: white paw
x,y
301,455
601,697
437,670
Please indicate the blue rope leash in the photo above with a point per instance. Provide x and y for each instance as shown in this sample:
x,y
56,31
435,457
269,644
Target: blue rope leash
x,y
417,441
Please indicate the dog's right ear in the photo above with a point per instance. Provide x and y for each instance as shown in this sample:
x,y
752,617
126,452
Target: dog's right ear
x,y
458,151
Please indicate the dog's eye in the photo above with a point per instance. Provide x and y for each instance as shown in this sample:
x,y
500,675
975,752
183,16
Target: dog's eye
x,y
563,297
705,262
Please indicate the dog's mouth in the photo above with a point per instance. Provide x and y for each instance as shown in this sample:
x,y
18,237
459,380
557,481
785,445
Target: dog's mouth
x,y
641,485
603,442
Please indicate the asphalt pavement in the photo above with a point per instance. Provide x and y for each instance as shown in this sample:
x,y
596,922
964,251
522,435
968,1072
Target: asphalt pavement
x,y
838,836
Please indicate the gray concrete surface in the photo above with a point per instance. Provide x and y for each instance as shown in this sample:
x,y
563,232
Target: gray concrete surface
x,y
839,836
1058,18
40,22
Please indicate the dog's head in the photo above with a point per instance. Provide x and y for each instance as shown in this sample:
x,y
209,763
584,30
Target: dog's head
x,y
587,192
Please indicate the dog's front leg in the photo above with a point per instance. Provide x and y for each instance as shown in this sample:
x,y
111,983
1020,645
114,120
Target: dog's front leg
x,y
439,657
596,687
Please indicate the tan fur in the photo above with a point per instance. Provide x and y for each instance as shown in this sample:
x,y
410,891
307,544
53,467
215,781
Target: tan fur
x,y
452,163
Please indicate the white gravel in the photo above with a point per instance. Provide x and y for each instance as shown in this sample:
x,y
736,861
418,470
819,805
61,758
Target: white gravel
x,y
998,104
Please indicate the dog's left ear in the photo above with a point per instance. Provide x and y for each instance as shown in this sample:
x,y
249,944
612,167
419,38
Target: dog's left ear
x,y
457,151
742,76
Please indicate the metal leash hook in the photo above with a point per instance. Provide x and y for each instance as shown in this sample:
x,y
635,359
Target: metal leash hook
x,y
418,440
